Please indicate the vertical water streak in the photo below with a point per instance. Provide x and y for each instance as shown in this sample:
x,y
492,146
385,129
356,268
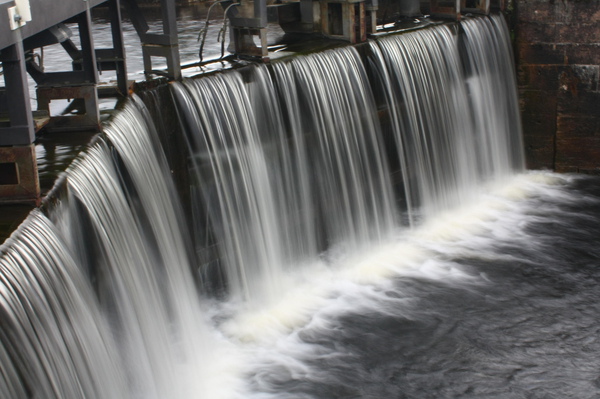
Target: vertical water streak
x,y
143,274
428,105
271,201
452,102
154,189
54,343
493,89
298,181
289,176
336,118
232,176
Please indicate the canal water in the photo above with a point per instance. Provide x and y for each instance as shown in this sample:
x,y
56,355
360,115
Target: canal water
x,y
411,259
496,299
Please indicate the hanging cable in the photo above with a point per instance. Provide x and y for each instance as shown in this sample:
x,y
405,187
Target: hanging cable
x,y
223,31
204,31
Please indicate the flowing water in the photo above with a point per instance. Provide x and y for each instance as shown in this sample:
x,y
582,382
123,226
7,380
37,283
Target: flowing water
x,y
413,259
267,198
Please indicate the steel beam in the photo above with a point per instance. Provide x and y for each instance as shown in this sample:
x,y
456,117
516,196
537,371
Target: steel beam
x,y
20,125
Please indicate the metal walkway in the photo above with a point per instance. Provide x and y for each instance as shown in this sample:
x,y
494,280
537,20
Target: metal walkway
x,y
26,25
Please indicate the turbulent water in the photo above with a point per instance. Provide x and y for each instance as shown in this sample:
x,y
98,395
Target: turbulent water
x,y
413,259
496,299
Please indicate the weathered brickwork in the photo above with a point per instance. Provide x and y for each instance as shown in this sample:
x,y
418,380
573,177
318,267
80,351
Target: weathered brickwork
x,y
558,60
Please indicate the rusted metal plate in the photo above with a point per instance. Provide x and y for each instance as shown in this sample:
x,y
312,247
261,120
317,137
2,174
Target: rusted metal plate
x,y
88,95
26,186
445,9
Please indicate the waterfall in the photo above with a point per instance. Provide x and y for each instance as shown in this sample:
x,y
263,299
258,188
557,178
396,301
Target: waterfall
x,y
282,180
273,190
55,342
452,100
119,313
289,165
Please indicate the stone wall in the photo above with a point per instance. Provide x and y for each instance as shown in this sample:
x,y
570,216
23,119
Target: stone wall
x,y
558,64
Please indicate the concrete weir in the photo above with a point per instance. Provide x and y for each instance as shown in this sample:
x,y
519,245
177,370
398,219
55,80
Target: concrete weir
x,y
31,25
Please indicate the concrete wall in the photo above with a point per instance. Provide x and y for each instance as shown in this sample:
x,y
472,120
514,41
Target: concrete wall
x,y
558,64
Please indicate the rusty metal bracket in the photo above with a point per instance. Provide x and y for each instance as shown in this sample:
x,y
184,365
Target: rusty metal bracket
x,y
345,20
164,45
20,183
446,9
85,103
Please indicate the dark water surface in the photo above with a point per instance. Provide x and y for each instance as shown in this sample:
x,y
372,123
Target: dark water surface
x,y
504,306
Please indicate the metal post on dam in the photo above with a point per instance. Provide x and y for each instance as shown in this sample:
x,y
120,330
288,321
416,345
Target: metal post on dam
x,y
26,25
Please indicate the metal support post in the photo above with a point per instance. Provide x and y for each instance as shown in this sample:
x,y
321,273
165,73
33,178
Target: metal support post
x,y
371,7
19,182
260,12
20,129
165,44
81,85
248,21
307,15
344,19
114,59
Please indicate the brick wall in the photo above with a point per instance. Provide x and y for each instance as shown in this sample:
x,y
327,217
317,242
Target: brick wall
x,y
558,64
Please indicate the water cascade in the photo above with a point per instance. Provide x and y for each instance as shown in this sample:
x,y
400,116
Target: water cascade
x,y
276,195
290,167
460,91
113,276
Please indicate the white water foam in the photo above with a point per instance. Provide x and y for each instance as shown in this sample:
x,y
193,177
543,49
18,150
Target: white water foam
x,y
273,340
